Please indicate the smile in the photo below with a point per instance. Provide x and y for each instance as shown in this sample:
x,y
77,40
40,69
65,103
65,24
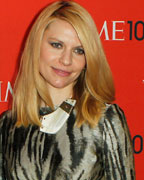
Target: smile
x,y
60,72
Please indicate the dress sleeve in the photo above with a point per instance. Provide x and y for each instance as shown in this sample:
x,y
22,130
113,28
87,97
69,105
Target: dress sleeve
x,y
117,151
0,159
2,117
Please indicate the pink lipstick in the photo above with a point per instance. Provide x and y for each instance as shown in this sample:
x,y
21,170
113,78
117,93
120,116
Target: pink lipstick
x,y
60,72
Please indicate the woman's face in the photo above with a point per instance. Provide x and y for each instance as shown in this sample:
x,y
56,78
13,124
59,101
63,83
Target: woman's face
x,y
62,56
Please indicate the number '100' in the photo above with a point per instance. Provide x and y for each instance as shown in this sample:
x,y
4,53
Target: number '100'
x,y
135,28
138,144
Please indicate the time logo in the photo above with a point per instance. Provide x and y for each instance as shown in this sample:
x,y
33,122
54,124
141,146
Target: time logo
x,y
8,91
116,30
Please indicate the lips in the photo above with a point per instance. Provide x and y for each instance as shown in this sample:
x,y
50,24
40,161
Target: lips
x,y
60,72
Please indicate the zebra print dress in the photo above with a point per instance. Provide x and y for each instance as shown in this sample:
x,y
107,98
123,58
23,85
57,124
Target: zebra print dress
x,y
101,153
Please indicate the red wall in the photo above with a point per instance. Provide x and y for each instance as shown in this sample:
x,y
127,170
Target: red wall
x,y
121,24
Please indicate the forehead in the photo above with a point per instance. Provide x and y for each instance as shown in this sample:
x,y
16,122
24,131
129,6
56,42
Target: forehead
x,y
61,28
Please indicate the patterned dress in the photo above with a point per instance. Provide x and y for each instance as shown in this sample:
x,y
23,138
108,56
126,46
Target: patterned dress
x,y
102,153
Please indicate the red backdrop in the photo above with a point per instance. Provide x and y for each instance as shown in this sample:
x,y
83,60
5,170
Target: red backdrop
x,y
121,27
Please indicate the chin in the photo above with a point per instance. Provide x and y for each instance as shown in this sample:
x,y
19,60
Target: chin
x,y
59,85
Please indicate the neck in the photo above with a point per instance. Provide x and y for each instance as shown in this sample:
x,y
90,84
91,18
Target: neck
x,y
58,95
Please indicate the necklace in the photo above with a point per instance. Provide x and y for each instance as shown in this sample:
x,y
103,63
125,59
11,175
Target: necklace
x,y
52,123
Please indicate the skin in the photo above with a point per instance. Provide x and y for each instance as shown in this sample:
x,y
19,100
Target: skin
x,y
62,59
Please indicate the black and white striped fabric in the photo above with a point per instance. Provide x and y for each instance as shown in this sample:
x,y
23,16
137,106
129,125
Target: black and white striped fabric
x,y
101,153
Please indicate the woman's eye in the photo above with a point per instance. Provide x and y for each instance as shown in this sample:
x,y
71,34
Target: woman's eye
x,y
56,45
79,51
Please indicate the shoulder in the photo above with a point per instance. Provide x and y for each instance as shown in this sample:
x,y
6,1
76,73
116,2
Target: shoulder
x,y
112,122
5,118
115,125
113,110
114,115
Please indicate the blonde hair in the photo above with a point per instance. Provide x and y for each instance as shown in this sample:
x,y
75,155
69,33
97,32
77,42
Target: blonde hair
x,y
95,85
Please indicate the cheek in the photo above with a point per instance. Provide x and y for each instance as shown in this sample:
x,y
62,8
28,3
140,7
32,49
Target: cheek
x,y
44,56
81,65
43,63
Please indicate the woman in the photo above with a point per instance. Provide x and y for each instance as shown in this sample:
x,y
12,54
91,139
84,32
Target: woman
x,y
62,124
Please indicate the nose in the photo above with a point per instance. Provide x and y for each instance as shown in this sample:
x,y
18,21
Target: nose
x,y
66,58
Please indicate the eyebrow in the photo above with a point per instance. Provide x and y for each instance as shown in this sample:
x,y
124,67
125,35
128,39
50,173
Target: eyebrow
x,y
55,39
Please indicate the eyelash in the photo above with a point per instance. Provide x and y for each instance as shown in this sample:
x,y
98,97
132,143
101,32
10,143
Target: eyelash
x,y
57,45
79,51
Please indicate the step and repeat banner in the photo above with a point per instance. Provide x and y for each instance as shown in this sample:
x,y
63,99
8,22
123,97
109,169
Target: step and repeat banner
x,y
121,28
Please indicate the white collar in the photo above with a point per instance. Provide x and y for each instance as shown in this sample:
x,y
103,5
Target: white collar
x,y
53,122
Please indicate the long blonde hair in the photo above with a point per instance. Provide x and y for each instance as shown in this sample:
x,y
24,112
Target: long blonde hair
x,y
95,85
